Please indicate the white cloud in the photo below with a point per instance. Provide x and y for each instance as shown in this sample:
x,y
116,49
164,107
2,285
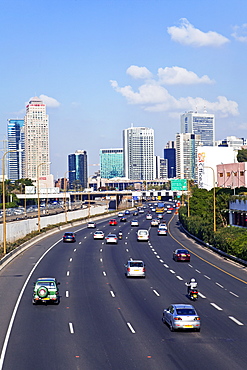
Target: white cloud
x,y
187,34
240,33
50,102
139,72
178,75
155,98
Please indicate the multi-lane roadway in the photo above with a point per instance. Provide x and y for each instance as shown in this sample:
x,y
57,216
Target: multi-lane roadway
x,y
106,321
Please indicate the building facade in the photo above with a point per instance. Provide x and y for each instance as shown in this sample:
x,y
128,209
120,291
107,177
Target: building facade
x,y
199,124
207,160
15,130
232,175
77,170
111,163
36,129
186,155
138,146
170,156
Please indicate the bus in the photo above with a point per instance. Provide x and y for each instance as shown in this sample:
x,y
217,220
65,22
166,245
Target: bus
x,y
160,208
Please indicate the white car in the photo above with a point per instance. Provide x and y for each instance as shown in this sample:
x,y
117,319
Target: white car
x,y
169,211
91,224
154,222
149,216
120,214
142,235
135,268
111,239
162,231
98,234
134,223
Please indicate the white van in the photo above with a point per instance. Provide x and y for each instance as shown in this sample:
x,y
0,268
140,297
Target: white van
x,y
142,235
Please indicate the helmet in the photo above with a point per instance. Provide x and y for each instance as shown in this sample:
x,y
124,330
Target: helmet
x,y
192,280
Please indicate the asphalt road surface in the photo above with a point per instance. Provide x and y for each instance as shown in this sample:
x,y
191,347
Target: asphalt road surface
x,y
107,321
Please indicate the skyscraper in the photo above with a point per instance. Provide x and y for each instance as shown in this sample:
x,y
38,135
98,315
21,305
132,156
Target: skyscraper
x,y
186,155
138,146
77,165
16,144
36,130
111,163
199,124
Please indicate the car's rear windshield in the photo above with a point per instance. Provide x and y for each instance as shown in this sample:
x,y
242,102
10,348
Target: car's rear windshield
x,y
136,264
182,251
68,234
45,283
142,232
185,311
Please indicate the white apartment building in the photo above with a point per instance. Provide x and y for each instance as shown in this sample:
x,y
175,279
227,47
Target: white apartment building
x,y
36,128
138,146
186,155
200,124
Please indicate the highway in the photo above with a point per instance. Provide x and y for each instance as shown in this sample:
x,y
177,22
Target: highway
x,y
106,321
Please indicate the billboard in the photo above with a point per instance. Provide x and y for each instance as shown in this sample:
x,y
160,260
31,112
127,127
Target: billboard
x,y
179,184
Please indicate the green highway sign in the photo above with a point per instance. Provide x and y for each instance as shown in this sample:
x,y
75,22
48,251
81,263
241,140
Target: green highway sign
x,y
179,184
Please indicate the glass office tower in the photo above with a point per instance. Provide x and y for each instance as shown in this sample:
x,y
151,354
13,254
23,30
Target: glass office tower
x,y
199,124
111,163
16,144
77,166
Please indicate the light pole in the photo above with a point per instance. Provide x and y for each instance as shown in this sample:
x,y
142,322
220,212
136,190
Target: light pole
x,y
4,204
38,195
214,198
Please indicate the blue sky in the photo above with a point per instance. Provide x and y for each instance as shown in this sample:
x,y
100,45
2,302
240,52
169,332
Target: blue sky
x,y
102,65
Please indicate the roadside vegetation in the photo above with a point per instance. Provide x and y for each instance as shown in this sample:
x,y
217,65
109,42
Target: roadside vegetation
x,y
200,222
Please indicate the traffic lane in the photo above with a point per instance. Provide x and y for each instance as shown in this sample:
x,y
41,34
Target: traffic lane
x,y
176,231
143,300
209,284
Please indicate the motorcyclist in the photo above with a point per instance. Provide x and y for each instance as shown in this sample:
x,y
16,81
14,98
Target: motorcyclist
x,y
191,285
120,234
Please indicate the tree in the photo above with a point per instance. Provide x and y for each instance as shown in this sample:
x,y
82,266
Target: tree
x,y
242,155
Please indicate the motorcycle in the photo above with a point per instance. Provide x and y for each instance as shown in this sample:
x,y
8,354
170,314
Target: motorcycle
x,y
193,294
120,235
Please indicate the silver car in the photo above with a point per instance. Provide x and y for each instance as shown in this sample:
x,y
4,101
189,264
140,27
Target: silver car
x,y
111,239
135,268
181,316
98,234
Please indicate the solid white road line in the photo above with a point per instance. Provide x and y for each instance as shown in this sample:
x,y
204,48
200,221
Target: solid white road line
x,y
71,328
11,322
155,292
235,320
215,306
131,328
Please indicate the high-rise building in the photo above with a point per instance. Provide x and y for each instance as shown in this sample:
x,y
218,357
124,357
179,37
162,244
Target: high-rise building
x,y
16,148
36,128
170,156
186,155
199,124
232,141
138,146
111,163
160,167
77,165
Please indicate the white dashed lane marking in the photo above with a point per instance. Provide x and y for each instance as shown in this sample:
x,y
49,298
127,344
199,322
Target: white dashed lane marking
x,y
207,277
221,286
67,294
112,294
215,306
155,292
104,273
201,295
67,273
235,295
235,320
179,277
71,328
131,328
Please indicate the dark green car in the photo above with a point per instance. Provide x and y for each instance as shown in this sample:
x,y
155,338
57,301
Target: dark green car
x,y
46,290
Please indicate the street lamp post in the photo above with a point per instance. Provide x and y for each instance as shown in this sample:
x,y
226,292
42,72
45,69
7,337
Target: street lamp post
x,y
214,197
4,203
